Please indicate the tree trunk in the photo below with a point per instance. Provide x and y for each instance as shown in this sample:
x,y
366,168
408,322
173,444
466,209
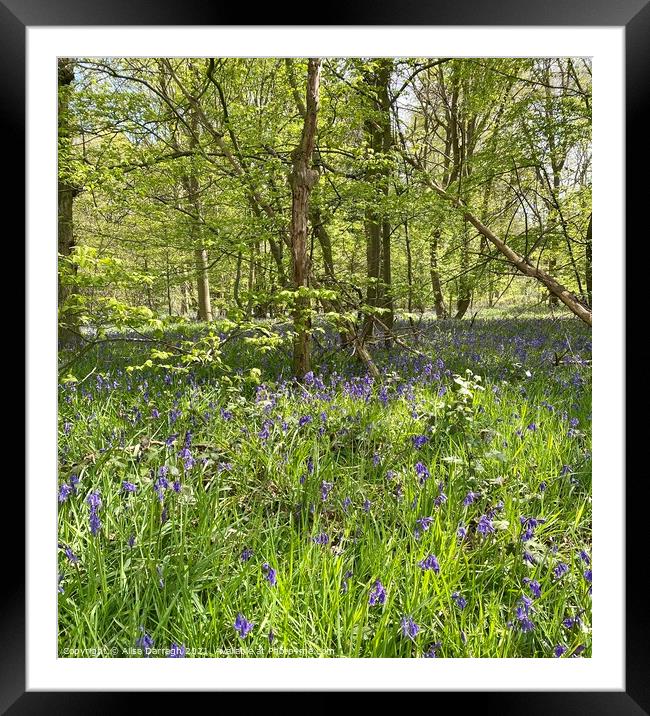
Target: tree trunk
x,y
191,184
324,240
203,284
302,179
66,194
409,270
384,75
436,285
588,262
552,298
237,281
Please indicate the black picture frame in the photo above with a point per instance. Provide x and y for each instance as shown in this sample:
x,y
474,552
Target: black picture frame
x,y
634,15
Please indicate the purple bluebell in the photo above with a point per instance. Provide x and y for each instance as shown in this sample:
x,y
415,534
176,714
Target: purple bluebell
x,y
243,626
128,487
325,489
422,472
470,498
459,600
322,538
270,574
534,587
177,651
523,612
432,650
419,441
560,570
377,594
64,492
559,650
430,562
484,526
571,622
409,628
145,642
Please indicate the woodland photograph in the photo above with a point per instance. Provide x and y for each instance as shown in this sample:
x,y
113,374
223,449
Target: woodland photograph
x,y
324,357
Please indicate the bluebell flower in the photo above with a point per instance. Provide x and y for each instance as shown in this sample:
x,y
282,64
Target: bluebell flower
x,y
176,651
409,628
484,526
322,538
145,642
460,601
422,472
560,570
270,574
64,492
377,594
470,497
419,441
559,650
534,587
246,554
94,500
430,562
128,486
243,626
325,489
571,622
432,651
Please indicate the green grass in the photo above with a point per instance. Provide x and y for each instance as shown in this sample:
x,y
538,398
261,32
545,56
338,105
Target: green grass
x,y
183,580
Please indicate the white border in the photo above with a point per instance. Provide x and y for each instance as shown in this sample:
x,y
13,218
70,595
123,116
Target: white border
x,y
605,670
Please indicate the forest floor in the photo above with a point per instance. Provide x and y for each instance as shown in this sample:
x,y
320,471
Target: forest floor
x,y
444,510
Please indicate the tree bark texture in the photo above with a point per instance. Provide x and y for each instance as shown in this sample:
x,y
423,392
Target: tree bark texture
x,y
302,180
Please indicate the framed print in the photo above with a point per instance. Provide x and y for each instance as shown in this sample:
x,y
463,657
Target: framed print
x,y
309,379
